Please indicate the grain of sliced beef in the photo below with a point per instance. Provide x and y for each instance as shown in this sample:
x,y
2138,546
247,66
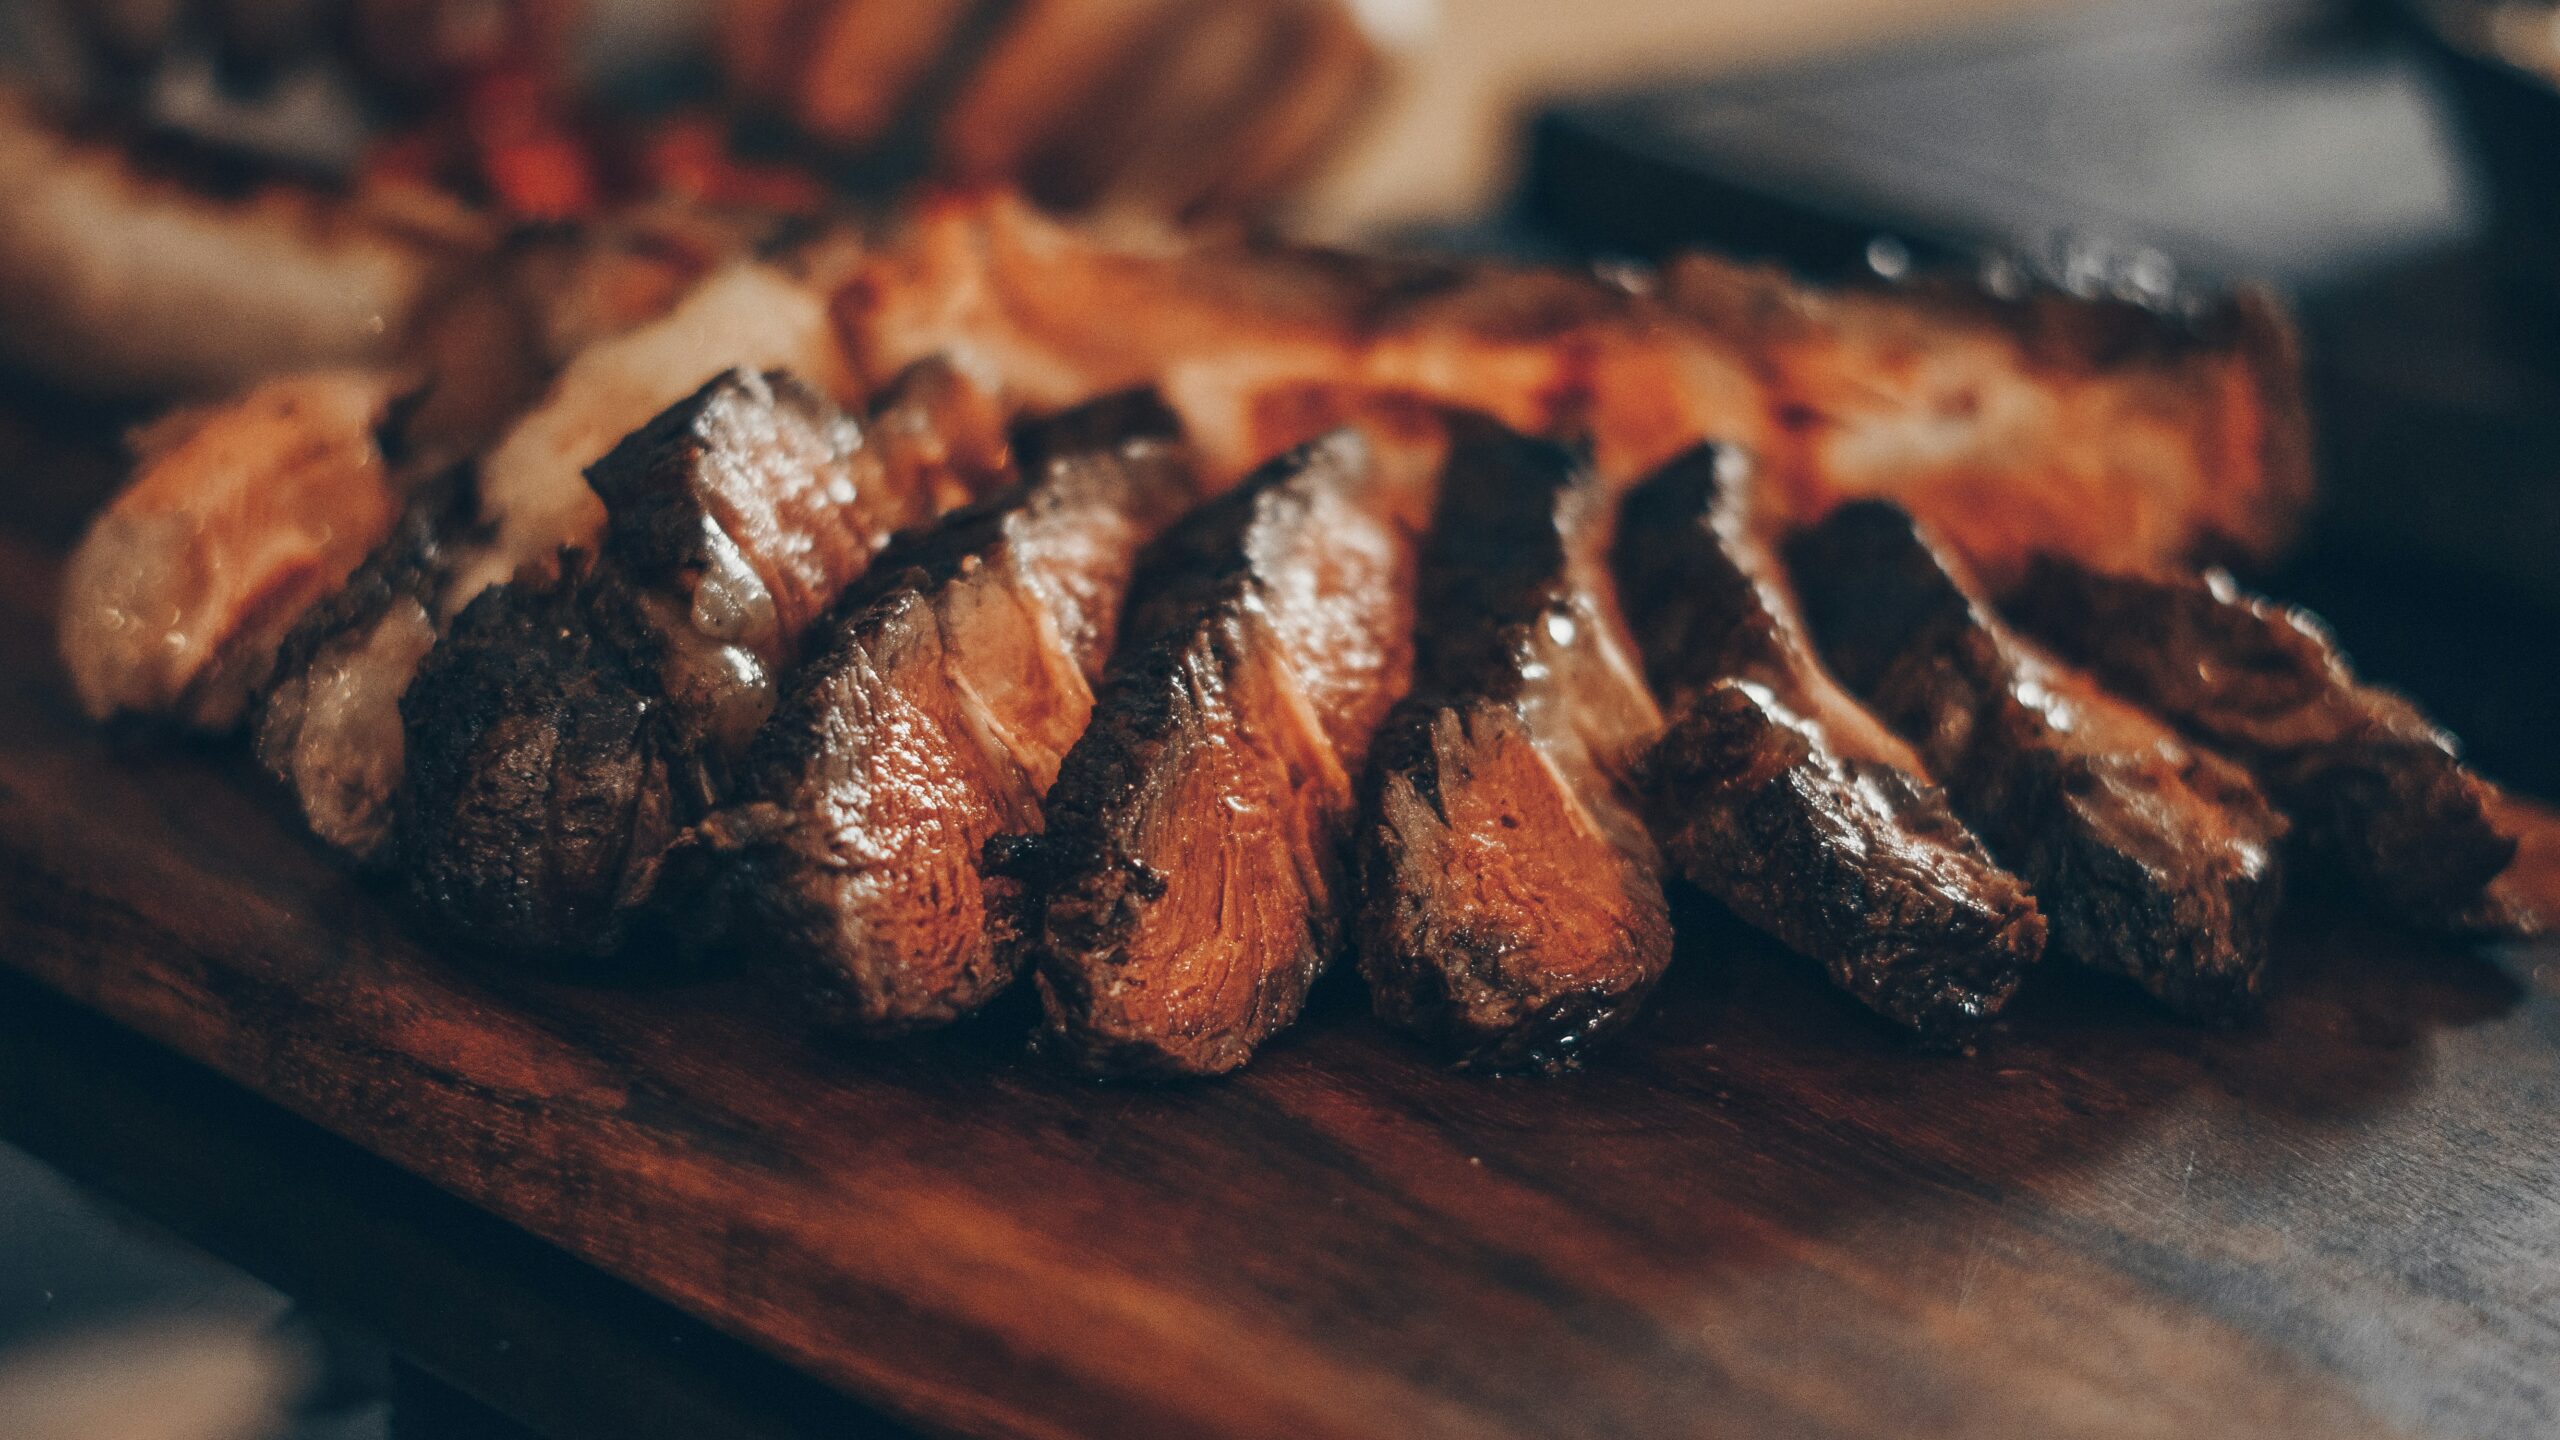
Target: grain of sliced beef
x,y
2153,858
2377,790
931,721
1777,793
1191,876
1512,909
567,728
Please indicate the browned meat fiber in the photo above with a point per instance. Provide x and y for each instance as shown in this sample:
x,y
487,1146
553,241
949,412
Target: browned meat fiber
x,y
1512,911
2153,858
563,733
932,722
1191,878
2377,790
1773,791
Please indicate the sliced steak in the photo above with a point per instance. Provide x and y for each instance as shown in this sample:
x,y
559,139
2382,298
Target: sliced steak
x,y
1775,792
932,720
1512,909
2376,790
329,727
1191,877
2154,859
567,728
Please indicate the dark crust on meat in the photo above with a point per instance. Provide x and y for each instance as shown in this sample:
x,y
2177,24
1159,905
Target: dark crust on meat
x,y
2375,789
1795,822
539,796
1512,910
783,886
2154,859
1197,683
1857,866
561,735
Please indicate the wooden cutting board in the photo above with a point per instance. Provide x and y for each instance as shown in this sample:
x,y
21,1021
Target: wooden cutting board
x,y
1763,1215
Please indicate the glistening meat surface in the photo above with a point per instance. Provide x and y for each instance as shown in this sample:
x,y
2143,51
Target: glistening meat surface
x,y
567,728
1191,876
2154,859
931,721
2377,789
1512,911
1775,792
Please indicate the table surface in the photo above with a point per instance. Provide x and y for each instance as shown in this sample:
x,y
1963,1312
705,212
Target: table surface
x,y
1761,1214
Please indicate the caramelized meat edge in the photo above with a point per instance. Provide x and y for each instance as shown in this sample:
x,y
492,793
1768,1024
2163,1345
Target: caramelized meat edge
x,y
1775,792
1512,908
1191,877
2154,858
568,727
2378,792
932,722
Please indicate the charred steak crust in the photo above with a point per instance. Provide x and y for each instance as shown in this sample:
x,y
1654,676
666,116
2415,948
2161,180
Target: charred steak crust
x,y
2154,859
539,796
1190,878
1775,793
2376,790
1512,909
625,695
929,726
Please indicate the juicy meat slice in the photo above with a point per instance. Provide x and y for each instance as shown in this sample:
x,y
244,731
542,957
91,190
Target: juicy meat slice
x,y
932,721
2374,787
1781,796
566,729
239,519
540,794
1191,874
329,727
2155,859
2116,434
1512,910
740,514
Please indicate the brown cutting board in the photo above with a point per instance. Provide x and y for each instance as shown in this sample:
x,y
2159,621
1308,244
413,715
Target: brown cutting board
x,y
1762,1215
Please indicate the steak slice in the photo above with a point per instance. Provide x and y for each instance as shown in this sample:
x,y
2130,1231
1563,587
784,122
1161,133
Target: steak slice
x,y
329,727
2377,790
1775,792
2154,859
1191,875
1512,909
566,729
932,721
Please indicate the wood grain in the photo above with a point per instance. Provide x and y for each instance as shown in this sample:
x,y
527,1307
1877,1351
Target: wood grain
x,y
1764,1215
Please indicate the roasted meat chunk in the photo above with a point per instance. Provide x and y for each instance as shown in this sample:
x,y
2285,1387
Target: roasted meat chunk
x,y
1512,911
567,728
2121,435
2376,790
540,794
1775,792
239,520
931,721
1191,875
2154,859
2030,419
